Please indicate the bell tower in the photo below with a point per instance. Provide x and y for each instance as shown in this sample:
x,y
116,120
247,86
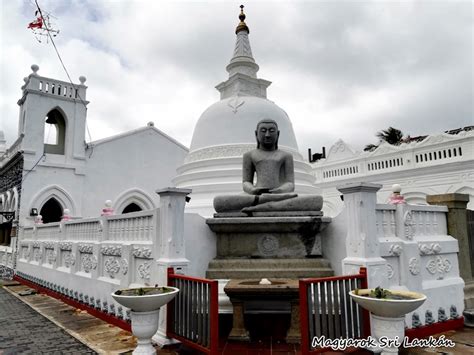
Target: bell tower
x,y
52,119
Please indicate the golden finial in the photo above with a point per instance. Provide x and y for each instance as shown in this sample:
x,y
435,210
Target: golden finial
x,y
242,26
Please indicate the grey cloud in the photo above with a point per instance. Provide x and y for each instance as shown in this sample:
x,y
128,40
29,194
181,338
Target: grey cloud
x,y
323,59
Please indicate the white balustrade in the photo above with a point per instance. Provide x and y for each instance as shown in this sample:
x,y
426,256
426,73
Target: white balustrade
x,y
136,226
87,259
418,253
48,231
385,221
85,229
429,220
28,233
433,150
56,87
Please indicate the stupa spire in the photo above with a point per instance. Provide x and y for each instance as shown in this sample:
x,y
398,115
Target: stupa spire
x,y
242,61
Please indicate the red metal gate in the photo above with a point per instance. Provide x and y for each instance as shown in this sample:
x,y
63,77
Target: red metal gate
x,y
327,310
193,315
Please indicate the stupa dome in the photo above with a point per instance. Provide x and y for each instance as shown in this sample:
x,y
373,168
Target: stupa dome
x,y
233,121
226,130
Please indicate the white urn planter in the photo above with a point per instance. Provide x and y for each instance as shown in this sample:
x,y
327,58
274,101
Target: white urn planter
x,y
388,314
145,304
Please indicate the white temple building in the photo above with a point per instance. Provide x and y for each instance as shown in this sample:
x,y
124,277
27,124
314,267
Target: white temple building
x,y
50,169
438,164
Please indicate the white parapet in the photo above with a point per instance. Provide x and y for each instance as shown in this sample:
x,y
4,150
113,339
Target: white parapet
x,y
403,247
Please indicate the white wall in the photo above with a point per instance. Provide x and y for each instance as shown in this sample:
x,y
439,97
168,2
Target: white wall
x,y
200,243
333,240
138,162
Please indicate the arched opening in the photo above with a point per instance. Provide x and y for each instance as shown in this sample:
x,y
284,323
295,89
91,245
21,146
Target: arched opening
x,y
132,207
51,211
54,133
5,225
5,232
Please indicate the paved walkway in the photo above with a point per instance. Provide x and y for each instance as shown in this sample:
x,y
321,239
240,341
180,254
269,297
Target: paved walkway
x,y
38,324
24,331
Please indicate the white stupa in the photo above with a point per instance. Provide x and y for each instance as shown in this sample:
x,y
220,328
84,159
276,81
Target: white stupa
x,y
225,131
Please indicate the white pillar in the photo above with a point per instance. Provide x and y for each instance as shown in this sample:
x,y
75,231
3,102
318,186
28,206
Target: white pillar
x,y
169,244
363,249
360,200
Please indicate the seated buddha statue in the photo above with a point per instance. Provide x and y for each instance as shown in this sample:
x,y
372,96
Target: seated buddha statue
x,y
275,179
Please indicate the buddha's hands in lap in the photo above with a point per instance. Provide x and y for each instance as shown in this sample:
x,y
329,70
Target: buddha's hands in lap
x,y
253,190
285,188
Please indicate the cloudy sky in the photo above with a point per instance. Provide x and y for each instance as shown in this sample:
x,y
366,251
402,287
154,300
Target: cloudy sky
x,y
340,69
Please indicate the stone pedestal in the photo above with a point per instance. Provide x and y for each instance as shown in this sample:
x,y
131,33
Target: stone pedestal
x,y
393,329
238,332
285,246
268,237
458,228
144,326
259,268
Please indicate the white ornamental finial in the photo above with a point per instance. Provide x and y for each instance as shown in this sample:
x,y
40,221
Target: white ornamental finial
x,y
39,219
66,215
396,198
82,79
107,210
35,69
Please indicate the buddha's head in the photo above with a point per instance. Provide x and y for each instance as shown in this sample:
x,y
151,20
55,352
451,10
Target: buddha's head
x,y
267,134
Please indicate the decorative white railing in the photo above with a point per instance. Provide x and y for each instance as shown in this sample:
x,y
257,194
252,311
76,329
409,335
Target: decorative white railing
x,y
85,229
56,87
131,227
404,246
385,221
88,259
48,231
413,223
111,250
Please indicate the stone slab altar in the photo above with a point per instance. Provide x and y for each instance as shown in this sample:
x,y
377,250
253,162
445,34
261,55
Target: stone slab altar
x,y
243,292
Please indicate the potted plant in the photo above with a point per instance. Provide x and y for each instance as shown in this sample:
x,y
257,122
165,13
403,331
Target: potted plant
x,y
388,309
145,304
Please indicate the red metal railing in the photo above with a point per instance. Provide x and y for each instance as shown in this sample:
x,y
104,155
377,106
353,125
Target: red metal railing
x,y
193,315
327,310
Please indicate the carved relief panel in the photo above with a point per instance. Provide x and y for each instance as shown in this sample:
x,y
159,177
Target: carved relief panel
x,y
142,257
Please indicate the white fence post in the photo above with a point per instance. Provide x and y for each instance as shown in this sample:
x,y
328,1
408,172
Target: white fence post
x,y
362,243
169,244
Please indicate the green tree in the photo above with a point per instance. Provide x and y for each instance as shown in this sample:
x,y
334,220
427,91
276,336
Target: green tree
x,y
390,135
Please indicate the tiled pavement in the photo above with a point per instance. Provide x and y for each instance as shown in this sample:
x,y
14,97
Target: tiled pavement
x,y
25,331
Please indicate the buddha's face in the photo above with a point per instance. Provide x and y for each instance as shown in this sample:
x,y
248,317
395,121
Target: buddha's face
x,y
267,135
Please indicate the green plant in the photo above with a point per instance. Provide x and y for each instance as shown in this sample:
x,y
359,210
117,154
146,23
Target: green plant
x,y
379,292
